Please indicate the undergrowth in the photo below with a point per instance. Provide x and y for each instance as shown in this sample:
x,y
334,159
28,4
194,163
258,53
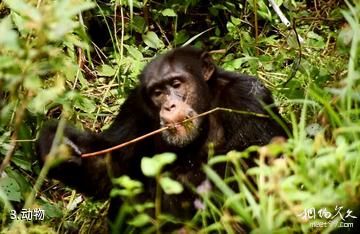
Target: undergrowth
x,y
78,59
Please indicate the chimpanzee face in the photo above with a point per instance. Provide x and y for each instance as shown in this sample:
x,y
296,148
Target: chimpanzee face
x,y
177,90
175,97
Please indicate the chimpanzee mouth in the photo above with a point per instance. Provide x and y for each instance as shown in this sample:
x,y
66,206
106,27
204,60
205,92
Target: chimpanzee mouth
x,y
184,124
181,133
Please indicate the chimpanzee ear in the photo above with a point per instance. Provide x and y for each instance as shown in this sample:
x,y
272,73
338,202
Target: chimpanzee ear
x,y
208,67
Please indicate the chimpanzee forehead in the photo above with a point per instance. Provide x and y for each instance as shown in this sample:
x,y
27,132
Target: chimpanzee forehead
x,y
165,72
182,62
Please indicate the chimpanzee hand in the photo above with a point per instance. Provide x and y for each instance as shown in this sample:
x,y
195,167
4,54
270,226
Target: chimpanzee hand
x,y
68,165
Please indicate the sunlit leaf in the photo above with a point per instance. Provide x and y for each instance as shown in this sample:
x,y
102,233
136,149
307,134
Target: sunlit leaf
x,y
170,186
152,40
140,220
24,9
32,83
8,38
168,12
152,166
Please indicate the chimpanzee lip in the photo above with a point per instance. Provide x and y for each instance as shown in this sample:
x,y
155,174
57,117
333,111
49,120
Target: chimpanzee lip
x,y
174,125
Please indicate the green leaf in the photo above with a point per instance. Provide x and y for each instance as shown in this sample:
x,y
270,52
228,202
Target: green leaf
x,y
170,186
37,105
169,12
67,9
8,38
52,211
21,162
21,180
152,40
85,104
11,188
315,40
106,70
59,29
181,37
165,158
24,9
126,182
134,52
149,167
140,220
279,2
153,166
6,61
235,21
139,24
130,187
32,83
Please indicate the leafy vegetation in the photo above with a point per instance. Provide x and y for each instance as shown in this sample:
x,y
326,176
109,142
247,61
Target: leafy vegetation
x,y
77,60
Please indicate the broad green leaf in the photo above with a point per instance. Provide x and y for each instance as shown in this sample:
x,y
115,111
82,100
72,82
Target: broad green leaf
x,y
181,37
149,167
11,188
106,70
134,52
67,9
21,162
8,38
6,61
52,211
139,24
85,104
153,166
169,12
170,186
21,180
32,83
152,40
24,9
59,29
127,182
235,21
37,105
165,158
45,96
140,220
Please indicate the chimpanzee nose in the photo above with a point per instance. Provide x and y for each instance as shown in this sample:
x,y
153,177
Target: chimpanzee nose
x,y
170,107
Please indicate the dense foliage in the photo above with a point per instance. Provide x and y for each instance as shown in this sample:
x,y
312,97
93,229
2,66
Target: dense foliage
x,y
77,60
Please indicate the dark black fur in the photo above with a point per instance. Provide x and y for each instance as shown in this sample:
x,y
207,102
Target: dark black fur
x,y
138,116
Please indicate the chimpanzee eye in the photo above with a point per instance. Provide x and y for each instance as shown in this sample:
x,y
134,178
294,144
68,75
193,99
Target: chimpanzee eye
x,y
157,92
176,84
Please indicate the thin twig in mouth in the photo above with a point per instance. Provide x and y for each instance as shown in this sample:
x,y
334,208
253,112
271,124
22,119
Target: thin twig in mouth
x,y
104,151
174,125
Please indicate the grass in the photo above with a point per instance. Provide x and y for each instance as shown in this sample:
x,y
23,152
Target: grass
x,y
317,169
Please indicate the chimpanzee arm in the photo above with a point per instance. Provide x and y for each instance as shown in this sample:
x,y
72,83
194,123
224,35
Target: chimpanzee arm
x,y
87,175
92,175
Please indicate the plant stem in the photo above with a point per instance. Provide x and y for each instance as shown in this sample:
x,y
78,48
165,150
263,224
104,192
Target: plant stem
x,y
157,204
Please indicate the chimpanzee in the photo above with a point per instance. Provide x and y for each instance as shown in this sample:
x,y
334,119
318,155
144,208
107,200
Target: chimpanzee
x,y
173,87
